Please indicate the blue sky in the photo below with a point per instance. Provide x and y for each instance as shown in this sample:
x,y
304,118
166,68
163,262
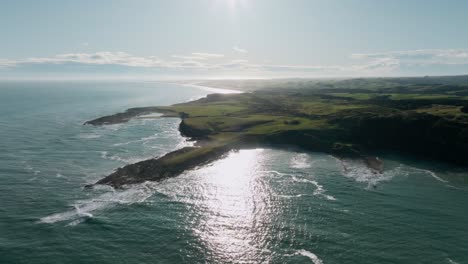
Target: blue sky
x,y
179,39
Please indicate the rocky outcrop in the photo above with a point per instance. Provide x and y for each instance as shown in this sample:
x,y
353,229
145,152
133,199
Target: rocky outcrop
x,y
126,116
193,132
169,165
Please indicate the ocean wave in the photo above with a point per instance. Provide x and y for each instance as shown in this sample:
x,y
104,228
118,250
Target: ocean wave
x,y
86,209
300,161
289,196
360,172
277,173
28,167
143,139
89,136
428,172
320,191
104,155
114,127
310,255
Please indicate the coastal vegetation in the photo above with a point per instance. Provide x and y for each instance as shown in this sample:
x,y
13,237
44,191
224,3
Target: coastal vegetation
x,y
426,117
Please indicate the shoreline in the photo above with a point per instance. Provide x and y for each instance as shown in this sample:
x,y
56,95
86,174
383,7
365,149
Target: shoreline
x,y
206,150
345,125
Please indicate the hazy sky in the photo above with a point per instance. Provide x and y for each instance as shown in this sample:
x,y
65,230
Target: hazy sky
x,y
231,38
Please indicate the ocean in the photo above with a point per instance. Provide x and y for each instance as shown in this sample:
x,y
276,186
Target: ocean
x,y
254,206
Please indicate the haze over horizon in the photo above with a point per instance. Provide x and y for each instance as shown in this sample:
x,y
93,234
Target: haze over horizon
x,y
231,39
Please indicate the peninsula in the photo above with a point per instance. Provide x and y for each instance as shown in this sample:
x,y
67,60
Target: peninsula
x,y
426,117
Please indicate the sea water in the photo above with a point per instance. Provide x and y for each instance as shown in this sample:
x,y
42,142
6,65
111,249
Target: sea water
x,y
254,206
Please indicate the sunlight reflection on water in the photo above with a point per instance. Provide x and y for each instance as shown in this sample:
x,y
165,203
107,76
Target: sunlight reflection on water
x,y
235,207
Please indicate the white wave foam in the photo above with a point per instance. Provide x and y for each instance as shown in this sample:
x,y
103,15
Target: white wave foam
x,y
358,171
361,173
89,136
289,196
430,173
310,255
85,209
114,127
451,261
300,161
144,139
320,191
104,155
294,178
277,173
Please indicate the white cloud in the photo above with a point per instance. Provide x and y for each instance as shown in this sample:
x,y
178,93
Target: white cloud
x,y
183,57
239,50
365,64
420,57
195,61
7,63
207,55
99,58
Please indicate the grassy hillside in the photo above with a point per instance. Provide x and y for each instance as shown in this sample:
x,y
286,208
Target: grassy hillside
x,y
427,117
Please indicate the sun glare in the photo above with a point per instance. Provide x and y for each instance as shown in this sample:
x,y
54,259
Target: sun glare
x,y
234,4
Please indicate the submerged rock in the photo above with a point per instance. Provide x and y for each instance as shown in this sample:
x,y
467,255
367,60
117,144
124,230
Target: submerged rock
x,y
375,164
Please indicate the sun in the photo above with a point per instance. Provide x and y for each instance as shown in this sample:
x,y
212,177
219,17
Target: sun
x,y
235,4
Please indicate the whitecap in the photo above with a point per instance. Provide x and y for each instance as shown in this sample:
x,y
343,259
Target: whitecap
x,y
360,172
310,255
114,127
289,196
294,178
88,136
320,191
85,209
300,161
430,173
104,155
144,139
277,173
77,221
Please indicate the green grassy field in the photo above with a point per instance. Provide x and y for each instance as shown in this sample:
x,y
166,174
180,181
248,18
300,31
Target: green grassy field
x,y
347,112
427,117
